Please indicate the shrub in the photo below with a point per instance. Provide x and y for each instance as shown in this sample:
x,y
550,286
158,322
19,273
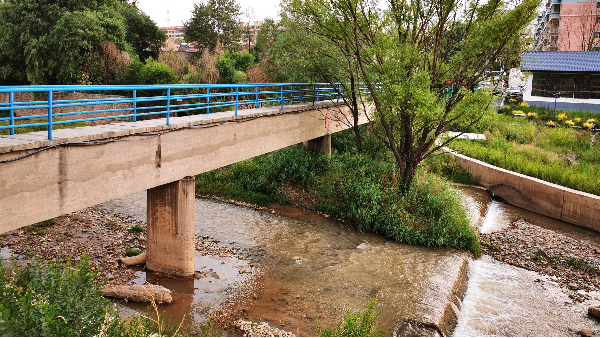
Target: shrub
x,y
137,229
518,112
587,126
129,252
58,299
355,323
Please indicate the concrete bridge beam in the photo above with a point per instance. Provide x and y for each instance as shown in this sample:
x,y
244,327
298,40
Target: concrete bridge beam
x,y
319,144
171,228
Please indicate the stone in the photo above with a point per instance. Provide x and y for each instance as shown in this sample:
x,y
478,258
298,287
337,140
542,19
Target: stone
x,y
594,311
135,260
585,333
139,293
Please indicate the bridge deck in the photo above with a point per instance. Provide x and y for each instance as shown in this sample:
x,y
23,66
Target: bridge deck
x,y
36,140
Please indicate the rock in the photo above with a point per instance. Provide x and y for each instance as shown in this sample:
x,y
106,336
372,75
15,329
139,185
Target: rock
x,y
139,293
585,333
135,260
242,270
594,311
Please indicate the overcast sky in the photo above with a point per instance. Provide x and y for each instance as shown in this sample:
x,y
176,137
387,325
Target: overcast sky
x,y
176,12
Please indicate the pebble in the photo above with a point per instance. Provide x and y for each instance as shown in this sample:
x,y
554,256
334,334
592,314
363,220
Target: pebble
x,y
585,333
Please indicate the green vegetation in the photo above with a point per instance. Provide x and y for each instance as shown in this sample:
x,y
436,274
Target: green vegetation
x,y
129,252
40,228
113,225
358,189
137,229
355,324
562,155
59,299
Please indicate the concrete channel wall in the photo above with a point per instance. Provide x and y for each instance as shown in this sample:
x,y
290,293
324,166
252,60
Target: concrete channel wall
x,y
535,195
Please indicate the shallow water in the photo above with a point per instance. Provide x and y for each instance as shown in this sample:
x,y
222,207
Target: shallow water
x,y
314,266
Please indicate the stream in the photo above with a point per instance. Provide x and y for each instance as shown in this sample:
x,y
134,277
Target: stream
x,y
301,269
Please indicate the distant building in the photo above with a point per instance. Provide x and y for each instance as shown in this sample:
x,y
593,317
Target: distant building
x,y
569,25
249,33
569,76
175,32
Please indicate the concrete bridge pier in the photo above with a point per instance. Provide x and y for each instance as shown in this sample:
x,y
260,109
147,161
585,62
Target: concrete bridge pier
x,y
171,228
319,144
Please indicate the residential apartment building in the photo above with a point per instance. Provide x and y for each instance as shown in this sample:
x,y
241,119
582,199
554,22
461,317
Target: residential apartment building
x,y
249,32
569,25
175,32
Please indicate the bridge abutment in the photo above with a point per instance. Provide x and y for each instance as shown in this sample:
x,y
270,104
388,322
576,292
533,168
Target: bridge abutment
x,y
171,228
319,144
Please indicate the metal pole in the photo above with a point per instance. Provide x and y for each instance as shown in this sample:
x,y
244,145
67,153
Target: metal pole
x,y
236,100
134,105
12,113
256,97
207,100
313,95
50,115
292,94
281,97
168,104
318,89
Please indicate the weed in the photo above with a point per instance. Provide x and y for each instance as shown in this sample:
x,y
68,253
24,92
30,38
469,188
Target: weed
x,y
77,218
137,229
355,323
581,264
537,258
40,228
113,225
129,252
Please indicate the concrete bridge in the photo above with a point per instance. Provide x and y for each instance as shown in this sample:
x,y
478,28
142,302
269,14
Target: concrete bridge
x,y
81,167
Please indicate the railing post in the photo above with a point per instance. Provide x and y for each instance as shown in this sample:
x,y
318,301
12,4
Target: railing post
x,y
168,104
281,97
12,113
338,92
318,89
292,94
313,95
256,97
207,100
134,105
50,115
236,99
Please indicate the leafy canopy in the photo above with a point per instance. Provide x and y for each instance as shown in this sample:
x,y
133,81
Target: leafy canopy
x,y
215,22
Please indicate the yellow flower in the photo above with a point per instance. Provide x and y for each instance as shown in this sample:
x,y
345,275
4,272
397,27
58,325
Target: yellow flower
x,y
587,126
561,117
591,121
577,119
551,124
532,116
524,104
515,112
569,123
512,100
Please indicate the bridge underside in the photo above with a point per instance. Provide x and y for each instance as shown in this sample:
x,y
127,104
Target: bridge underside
x,y
89,165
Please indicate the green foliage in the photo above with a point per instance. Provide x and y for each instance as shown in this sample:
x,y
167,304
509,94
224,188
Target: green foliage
x,y
265,38
563,156
129,252
233,65
57,299
214,21
40,228
355,323
143,34
353,188
150,72
137,229
446,166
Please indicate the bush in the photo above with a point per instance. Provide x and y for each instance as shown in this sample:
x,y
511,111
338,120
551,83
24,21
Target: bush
x,y
355,323
58,299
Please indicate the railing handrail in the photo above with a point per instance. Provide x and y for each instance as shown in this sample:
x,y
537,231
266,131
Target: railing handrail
x,y
168,102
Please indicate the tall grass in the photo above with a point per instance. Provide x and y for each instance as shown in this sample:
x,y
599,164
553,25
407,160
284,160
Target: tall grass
x,y
356,189
355,323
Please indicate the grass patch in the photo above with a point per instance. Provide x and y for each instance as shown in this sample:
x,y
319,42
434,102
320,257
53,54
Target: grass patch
x,y
560,155
129,252
113,225
60,299
581,264
357,189
40,228
137,229
355,323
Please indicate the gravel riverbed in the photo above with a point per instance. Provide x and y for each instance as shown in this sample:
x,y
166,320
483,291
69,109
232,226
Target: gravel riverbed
x,y
573,263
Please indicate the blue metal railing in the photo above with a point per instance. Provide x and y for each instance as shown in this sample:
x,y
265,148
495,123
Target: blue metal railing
x,y
141,101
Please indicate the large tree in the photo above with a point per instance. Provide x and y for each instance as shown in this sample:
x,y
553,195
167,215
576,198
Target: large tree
x,y
215,22
62,42
418,61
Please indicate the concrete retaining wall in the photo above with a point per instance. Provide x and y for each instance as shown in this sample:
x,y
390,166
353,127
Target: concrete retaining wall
x,y
535,195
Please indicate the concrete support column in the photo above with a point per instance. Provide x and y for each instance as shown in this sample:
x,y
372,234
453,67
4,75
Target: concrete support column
x,y
171,228
320,144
